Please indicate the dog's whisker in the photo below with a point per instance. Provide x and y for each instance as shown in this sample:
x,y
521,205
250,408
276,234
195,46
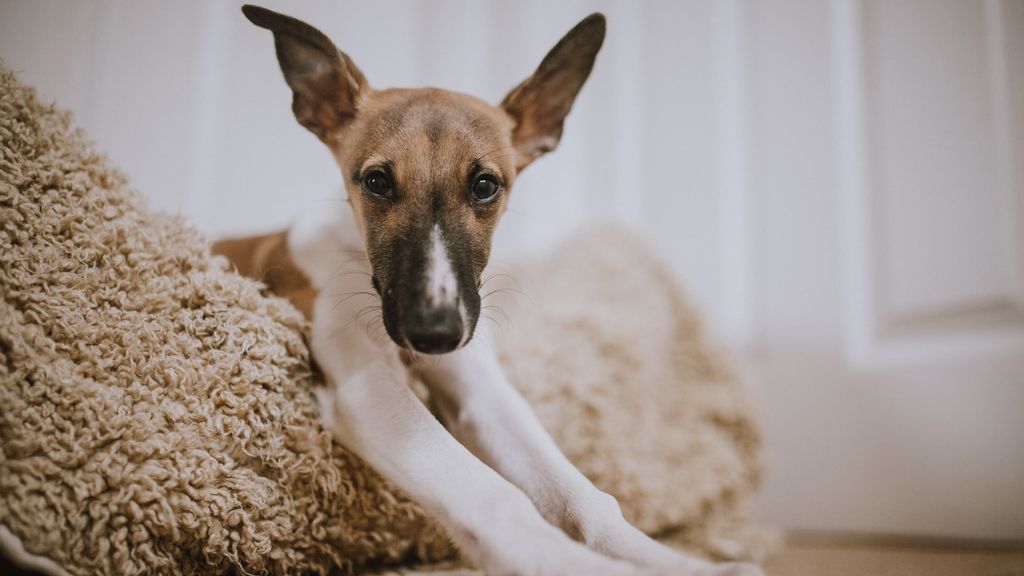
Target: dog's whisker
x,y
415,358
354,293
515,291
356,316
376,334
486,316
349,295
373,328
495,275
384,345
369,310
343,273
345,299
497,309
352,254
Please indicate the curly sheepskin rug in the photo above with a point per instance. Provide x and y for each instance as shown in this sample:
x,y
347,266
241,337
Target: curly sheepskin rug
x,y
156,413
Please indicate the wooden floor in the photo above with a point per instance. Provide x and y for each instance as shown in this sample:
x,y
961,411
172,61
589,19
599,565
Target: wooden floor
x,y
818,557
831,557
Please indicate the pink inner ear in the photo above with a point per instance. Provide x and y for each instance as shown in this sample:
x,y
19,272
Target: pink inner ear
x,y
534,137
324,90
539,144
325,83
314,67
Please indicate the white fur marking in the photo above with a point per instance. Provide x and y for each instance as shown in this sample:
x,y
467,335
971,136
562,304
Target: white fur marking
x,y
466,329
441,286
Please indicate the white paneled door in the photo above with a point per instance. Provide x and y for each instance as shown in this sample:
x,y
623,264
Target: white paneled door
x,y
839,184
889,265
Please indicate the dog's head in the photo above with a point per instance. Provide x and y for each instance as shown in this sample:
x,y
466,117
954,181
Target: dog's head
x,y
428,171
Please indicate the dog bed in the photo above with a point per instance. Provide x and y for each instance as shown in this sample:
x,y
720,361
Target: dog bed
x,y
156,413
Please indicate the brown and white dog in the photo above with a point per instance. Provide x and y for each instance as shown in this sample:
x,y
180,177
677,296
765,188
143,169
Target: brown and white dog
x,y
428,174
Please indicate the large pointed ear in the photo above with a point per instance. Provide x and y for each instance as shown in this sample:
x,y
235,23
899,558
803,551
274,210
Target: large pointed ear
x,y
540,104
326,85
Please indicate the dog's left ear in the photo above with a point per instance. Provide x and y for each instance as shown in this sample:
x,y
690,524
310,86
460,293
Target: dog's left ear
x,y
326,85
540,104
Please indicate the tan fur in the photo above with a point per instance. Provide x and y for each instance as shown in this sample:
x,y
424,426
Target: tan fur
x,y
266,258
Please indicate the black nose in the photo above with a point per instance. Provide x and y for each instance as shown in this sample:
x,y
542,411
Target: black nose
x,y
434,331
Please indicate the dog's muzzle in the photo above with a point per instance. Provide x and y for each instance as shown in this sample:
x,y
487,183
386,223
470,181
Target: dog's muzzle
x,y
430,297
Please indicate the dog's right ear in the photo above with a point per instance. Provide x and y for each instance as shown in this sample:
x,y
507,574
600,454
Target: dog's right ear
x,y
540,104
326,85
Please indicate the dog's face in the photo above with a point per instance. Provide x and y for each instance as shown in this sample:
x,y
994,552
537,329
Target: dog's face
x,y
428,171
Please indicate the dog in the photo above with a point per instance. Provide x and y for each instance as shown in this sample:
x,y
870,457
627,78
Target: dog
x,y
429,174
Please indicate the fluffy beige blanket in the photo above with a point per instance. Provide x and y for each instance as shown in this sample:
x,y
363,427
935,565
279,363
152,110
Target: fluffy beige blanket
x,y
156,413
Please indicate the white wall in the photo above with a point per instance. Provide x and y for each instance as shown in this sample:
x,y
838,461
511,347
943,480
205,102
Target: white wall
x,y
187,97
837,183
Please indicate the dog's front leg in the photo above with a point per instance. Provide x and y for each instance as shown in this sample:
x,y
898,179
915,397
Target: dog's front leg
x,y
374,413
487,414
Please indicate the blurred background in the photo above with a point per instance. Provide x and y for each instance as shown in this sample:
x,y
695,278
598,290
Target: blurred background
x,y
839,185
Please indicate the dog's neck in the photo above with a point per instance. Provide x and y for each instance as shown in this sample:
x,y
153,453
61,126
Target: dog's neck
x,y
324,242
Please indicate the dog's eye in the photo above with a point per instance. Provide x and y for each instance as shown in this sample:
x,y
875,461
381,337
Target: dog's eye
x,y
378,184
485,188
